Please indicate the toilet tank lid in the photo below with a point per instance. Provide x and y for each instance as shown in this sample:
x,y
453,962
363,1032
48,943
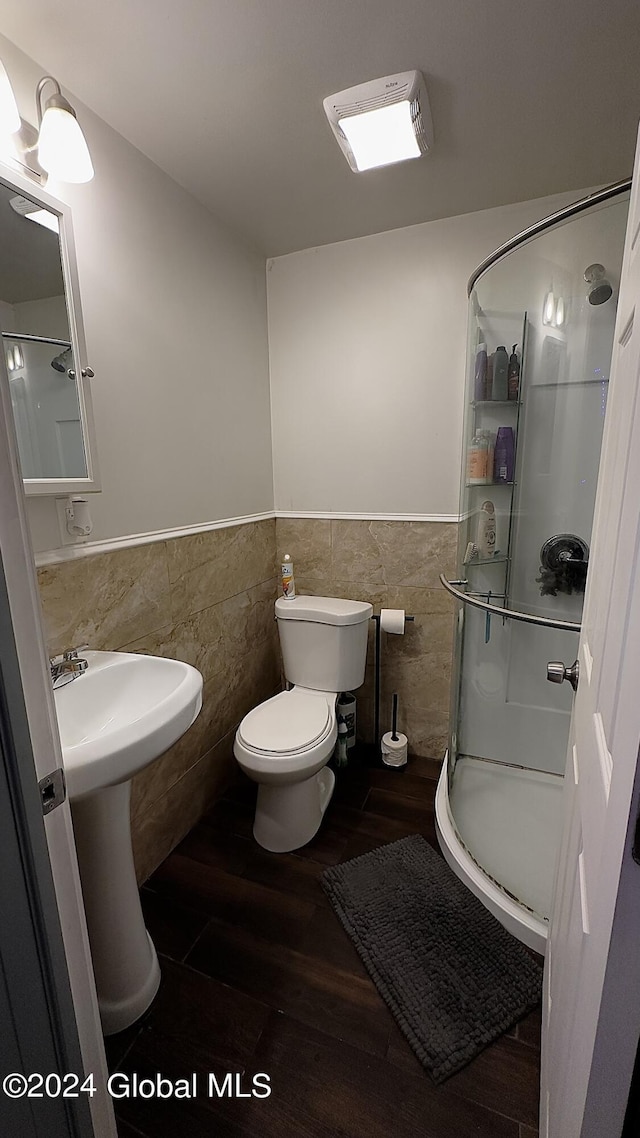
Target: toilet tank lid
x,y
323,610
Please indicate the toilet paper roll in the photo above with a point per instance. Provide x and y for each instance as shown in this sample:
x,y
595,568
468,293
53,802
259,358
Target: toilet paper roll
x,y
392,620
394,751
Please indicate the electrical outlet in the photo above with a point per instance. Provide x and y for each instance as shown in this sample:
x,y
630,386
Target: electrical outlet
x,y
62,505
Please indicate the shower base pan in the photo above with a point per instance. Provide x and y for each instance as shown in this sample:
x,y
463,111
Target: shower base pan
x,y
504,840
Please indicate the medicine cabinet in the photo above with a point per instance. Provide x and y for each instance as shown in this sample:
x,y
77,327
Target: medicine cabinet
x,y
43,346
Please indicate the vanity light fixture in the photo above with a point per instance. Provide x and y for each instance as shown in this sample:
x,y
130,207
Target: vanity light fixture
x,y
549,308
58,147
554,310
385,121
62,147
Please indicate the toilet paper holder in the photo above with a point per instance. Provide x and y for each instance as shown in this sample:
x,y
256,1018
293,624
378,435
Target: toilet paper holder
x,y
377,669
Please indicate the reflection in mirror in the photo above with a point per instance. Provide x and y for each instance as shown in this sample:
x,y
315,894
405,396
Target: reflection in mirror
x,y
37,342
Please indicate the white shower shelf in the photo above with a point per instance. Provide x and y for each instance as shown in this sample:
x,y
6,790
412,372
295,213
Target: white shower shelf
x,y
498,559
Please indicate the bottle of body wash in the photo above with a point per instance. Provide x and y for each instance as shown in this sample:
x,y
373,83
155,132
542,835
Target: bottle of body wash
x,y
513,376
488,436
500,385
477,460
485,542
504,454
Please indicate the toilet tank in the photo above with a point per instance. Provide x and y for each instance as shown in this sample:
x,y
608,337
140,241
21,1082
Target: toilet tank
x,y
323,641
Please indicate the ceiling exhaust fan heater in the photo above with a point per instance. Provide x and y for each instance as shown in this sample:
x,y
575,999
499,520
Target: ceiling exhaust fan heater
x,y
387,120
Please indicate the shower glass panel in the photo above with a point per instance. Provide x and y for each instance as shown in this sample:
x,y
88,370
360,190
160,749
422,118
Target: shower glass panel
x,y
509,726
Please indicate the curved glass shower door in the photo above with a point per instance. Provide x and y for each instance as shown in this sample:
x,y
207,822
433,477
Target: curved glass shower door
x,y
543,302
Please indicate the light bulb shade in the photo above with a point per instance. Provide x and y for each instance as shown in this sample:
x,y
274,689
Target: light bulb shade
x,y
9,113
548,308
62,147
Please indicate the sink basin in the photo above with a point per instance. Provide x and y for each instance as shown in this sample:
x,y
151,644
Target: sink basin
x,y
121,714
114,719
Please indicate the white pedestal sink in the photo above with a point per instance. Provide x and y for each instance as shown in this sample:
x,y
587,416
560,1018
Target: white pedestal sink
x,y
123,712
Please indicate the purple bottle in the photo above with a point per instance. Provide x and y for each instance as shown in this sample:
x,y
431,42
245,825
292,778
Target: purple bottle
x,y
503,455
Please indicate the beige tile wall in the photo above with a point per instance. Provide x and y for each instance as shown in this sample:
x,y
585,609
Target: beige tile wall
x,y
392,565
206,599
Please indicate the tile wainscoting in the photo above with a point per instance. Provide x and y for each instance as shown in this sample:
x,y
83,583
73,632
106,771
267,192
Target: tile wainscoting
x,y
392,564
206,598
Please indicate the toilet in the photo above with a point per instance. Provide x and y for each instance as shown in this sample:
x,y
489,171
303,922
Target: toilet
x,y
285,743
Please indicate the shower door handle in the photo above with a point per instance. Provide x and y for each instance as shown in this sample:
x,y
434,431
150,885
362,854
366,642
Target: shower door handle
x,y
557,673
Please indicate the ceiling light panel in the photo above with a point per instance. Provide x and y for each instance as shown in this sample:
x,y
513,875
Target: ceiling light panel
x,y
385,121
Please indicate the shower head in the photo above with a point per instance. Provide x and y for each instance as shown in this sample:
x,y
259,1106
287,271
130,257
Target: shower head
x,y
599,290
59,363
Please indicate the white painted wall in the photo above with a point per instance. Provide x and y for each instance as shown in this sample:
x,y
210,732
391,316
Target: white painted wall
x,y
175,318
367,344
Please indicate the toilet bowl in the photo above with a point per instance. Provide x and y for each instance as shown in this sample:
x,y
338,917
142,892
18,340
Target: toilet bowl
x,y
285,743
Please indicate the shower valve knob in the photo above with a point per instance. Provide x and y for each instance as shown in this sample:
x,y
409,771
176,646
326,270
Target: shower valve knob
x,y
557,673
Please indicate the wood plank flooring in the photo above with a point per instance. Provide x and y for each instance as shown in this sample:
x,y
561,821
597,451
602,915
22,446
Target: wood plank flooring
x,y
258,976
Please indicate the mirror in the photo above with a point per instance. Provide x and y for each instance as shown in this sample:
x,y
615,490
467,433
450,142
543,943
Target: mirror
x,y
42,345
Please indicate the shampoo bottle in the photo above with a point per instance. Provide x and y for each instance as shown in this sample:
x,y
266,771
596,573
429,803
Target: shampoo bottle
x,y
504,454
488,436
489,387
500,386
513,376
288,582
477,460
485,542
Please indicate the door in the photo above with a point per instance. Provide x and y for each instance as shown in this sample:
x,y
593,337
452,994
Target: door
x,y
48,1007
591,1018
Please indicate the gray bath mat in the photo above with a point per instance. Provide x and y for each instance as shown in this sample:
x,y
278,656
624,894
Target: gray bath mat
x,y
452,976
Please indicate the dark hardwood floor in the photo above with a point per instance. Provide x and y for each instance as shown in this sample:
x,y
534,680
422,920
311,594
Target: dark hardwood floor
x,y
258,976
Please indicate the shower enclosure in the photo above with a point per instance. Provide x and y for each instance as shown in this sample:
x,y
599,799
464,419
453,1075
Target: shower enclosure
x,y
552,293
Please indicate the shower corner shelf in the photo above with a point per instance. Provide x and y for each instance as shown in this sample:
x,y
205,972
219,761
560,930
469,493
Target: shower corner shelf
x,y
482,562
486,485
496,402
486,413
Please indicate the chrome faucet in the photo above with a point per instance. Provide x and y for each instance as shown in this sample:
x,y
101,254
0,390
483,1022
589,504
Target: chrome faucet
x,y
68,666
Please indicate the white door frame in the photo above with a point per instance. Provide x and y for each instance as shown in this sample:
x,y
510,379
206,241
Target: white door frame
x,y
591,1018
24,604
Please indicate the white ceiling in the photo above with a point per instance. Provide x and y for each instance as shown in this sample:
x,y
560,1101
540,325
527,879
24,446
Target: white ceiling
x,y
529,97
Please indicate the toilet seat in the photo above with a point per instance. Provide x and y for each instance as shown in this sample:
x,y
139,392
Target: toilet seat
x,y
289,723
